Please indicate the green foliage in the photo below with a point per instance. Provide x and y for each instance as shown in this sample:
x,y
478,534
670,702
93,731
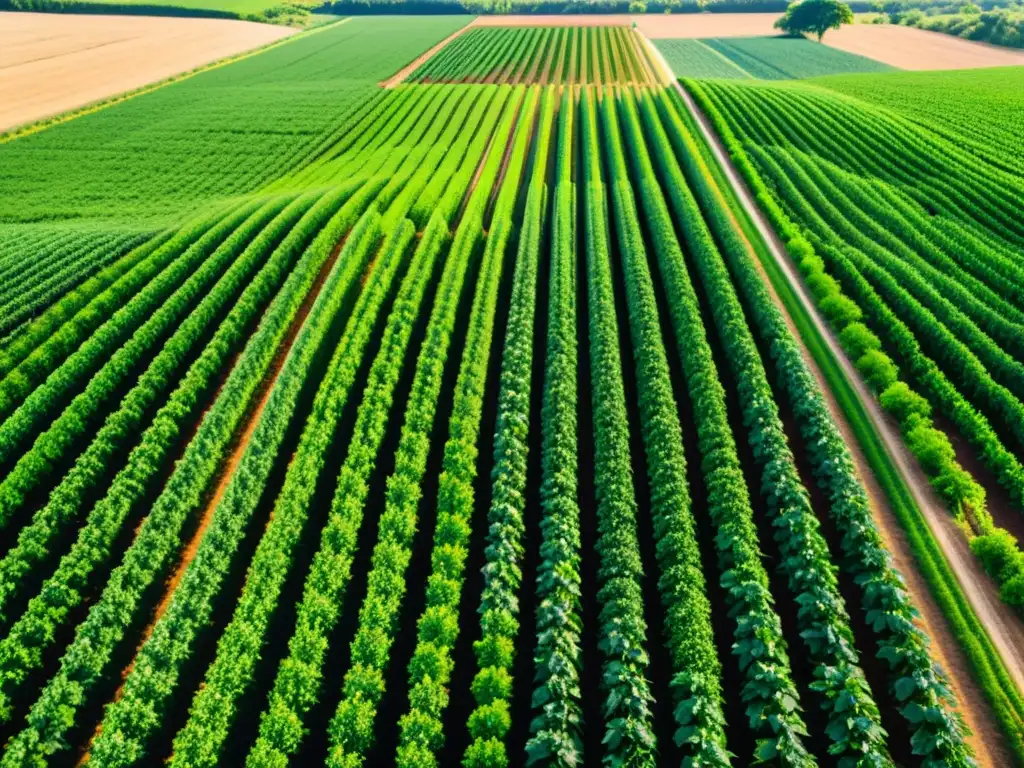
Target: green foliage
x,y
977,109
628,734
913,678
299,675
158,662
904,403
814,16
489,723
149,556
431,664
936,294
556,736
822,618
777,58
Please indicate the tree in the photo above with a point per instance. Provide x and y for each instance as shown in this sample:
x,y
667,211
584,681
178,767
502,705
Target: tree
x,y
817,16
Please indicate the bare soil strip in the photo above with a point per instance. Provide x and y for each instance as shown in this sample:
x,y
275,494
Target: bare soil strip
x,y
237,449
53,63
1004,628
400,76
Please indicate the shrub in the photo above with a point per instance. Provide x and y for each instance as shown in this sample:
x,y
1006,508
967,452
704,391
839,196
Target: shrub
x,y
878,369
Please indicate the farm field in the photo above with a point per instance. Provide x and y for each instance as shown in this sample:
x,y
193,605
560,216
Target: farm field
x,y
988,117
762,58
455,421
897,46
83,209
912,253
54,63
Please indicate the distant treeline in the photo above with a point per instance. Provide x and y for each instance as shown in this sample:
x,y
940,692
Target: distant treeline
x,y
284,13
128,9
985,22
378,7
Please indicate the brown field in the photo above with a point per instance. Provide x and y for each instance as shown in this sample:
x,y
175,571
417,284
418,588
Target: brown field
x,y
51,63
909,48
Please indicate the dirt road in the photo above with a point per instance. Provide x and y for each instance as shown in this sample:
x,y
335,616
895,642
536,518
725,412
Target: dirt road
x,y
51,63
1003,627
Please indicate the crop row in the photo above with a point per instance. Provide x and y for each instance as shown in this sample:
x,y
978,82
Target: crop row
x,y
559,55
499,619
556,730
88,655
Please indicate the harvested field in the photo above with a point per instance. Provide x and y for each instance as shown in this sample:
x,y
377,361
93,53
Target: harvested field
x,y
53,63
917,49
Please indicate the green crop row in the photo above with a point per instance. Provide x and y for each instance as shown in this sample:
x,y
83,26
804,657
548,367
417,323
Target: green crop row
x,y
131,719
696,669
499,619
111,317
88,655
31,418
913,677
943,319
299,675
55,272
37,539
556,730
628,722
421,732
822,617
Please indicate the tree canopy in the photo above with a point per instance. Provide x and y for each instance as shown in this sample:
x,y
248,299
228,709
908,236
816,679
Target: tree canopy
x,y
817,16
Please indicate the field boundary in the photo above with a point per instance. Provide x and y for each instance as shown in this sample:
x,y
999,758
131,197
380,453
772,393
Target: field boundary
x,y
400,76
966,585
27,129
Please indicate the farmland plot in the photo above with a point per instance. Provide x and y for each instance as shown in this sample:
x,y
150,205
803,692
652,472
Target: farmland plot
x,y
912,254
469,434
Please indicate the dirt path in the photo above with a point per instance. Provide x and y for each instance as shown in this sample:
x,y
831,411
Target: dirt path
x,y
1004,629
237,447
400,76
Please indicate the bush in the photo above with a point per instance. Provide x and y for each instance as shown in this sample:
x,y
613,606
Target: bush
x,y
878,369
857,338
902,402
840,310
998,554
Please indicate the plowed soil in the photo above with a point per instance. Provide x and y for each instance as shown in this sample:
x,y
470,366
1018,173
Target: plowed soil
x,y
51,63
